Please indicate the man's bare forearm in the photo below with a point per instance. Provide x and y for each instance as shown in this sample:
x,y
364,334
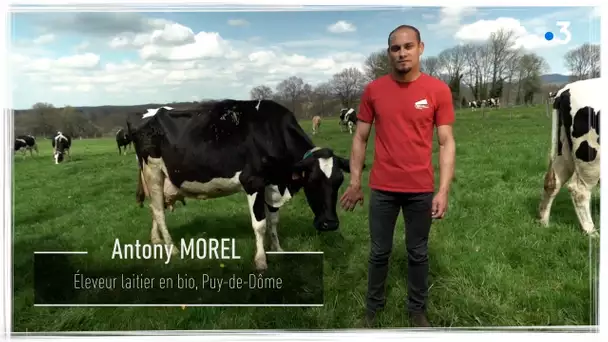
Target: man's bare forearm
x,y
357,159
447,156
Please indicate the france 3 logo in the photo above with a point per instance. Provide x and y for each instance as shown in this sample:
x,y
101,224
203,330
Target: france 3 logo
x,y
564,30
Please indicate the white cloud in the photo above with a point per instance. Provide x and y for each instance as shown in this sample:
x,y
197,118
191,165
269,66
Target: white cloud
x,y
44,39
172,34
238,22
482,29
321,43
204,45
451,17
99,24
174,64
45,65
341,27
210,63
82,46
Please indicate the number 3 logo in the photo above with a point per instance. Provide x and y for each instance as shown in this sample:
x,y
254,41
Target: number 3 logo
x,y
563,28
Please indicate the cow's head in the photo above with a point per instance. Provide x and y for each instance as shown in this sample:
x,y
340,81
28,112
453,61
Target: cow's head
x,y
61,144
19,143
322,173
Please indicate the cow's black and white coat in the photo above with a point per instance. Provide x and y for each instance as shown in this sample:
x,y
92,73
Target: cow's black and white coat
x,y
474,105
224,147
61,146
123,140
26,143
575,149
493,102
348,119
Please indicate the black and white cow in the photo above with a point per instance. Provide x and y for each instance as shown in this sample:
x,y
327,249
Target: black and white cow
x,y
26,143
493,102
474,105
123,140
575,149
220,148
61,145
348,119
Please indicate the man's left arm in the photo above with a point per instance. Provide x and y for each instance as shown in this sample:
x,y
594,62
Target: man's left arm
x,y
447,156
444,118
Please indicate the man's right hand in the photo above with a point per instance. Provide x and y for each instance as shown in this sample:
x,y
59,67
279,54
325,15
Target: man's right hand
x,y
351,197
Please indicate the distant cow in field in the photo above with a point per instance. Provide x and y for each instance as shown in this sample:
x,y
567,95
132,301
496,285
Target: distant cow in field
x,y
123,140
575,149
348,119
316,123
61,145
474,105
220,148
26,143
493,102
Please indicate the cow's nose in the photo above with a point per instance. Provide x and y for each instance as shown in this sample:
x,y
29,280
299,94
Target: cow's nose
x,y
330,225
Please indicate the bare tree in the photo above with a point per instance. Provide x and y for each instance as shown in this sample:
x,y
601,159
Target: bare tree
x,y
584,61
512,66
348,85
45,117
531,67
452,61
475,68
500,49
430,65
291,89
261,92
376,65
307,100
72,121
322,97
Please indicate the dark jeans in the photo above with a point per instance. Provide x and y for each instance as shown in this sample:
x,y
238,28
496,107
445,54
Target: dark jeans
x,y
384,209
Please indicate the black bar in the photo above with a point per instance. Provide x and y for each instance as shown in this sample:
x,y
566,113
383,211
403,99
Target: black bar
x,y
293,279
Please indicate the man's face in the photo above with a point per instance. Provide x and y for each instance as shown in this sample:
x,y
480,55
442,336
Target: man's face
x,y
404,51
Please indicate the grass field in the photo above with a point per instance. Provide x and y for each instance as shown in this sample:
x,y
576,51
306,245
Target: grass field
x,y
491,264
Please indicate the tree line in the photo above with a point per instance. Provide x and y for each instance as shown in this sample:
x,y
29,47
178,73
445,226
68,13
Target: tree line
x,y
474,71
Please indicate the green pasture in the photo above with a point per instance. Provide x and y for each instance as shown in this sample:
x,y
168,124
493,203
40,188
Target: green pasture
x,y
491,264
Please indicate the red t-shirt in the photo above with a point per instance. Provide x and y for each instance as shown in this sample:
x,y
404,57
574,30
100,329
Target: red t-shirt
x,y
405,115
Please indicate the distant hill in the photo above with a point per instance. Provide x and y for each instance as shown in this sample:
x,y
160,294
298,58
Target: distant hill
x,y
555,78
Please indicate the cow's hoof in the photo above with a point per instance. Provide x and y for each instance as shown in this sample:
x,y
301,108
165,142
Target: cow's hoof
x,y
261,266
543,222
594,234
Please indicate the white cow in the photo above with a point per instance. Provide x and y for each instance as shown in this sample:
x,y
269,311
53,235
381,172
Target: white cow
x,y
575,149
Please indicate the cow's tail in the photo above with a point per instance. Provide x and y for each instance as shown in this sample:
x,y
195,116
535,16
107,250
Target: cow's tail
x,y
555,127
140,191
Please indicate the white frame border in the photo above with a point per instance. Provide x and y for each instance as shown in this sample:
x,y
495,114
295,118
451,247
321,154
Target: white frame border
x,y
6,123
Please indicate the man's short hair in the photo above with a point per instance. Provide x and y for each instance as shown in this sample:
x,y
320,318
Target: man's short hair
x,y
400,27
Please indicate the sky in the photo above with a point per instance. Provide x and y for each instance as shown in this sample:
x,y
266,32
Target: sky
x,y
127,58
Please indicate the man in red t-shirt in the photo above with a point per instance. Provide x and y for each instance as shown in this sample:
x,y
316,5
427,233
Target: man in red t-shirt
x,y
405,106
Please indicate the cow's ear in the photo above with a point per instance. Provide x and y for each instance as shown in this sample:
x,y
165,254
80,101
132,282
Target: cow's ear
x,y
304,164
344,164
302,168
